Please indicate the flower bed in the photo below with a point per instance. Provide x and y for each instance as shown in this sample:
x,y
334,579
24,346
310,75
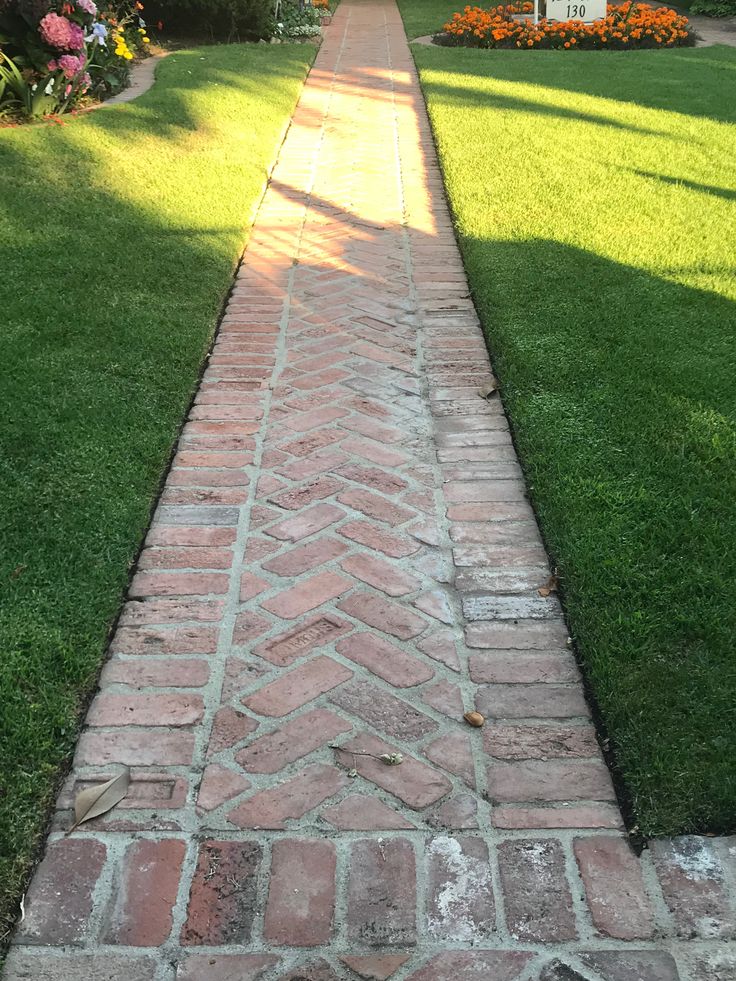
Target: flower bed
x,y
53,55
626,26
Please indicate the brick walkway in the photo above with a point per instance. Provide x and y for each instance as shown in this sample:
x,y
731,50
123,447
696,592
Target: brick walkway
x,y
344,555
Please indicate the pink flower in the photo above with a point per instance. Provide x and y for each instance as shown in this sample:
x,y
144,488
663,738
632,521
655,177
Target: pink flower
x,y
52,65
87,6
71,65
60,33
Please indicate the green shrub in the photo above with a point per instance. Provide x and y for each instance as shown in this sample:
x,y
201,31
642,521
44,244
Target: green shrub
x,y
224,19
714,8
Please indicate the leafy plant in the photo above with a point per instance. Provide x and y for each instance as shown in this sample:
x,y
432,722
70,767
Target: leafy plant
x,y
296,19
714,8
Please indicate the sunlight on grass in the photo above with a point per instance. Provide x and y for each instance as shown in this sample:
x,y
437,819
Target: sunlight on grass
x,y
119,234
595,200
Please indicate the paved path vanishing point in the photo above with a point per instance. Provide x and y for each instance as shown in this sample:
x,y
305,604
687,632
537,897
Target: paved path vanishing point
x,y
344,555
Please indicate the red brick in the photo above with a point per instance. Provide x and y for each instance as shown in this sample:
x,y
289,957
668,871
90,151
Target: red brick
x,y
313,465
549,780
456,813
453,752
522,534
381,710
500,557
301,497
395,666
446,698
312,442
178,583
374,477
289,800
202,496
540,742
413,782
308,522
64,964
460,905
359,812
532,701
135,747
380,574
145,710
147,790
176,640
287,647
637,965
375,506
297,687
382,894
225,967
307,595
156,673
693,884
59,900
229,728
617,899
222,897
375,967
505,667
536,892
301,893
192,458
185,558
599,815
365,533
218,785
524,635
248,626
390,617
141,914
457,965
299,560
251,586
240,675
169,611
292,741
440,646
375,452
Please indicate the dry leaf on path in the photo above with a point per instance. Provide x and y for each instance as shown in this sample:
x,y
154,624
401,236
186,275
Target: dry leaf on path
x,y
101,798
551,586
488,390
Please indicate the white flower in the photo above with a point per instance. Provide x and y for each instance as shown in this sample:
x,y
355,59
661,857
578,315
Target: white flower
x,y
50,87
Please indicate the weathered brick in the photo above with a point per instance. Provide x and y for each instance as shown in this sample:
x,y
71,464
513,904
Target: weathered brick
x,y
62,964
537,895
440,646
400,669
693,884
598,815
549,780
58,903
455,813
307,595
504,667
142,907
155,746
374,506
634,965
301,893
290,799
297,687
159,673
446,698
524,635
308,522
456,965
382,893
170,640
359,812
301,497
219,784
415,783
145,710
380,574
292,741
617,899
229,727
531,701
390,715
287,647
539,742
225,967
383,614
222,896
368,534
375,967
453,752
185,558
460,905
305,557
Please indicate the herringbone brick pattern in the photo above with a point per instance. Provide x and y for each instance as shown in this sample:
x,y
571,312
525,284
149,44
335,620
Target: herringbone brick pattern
x,y
342,563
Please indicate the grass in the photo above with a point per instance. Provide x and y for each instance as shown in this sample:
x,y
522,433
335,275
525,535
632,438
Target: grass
x,y
119,232
595,200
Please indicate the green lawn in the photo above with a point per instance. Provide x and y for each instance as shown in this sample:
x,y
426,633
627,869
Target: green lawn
x,y
595,203
119,234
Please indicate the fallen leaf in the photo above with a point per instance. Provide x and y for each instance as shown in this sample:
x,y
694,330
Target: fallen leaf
x,y
101,798
551,586
474,719
391,759
488,390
